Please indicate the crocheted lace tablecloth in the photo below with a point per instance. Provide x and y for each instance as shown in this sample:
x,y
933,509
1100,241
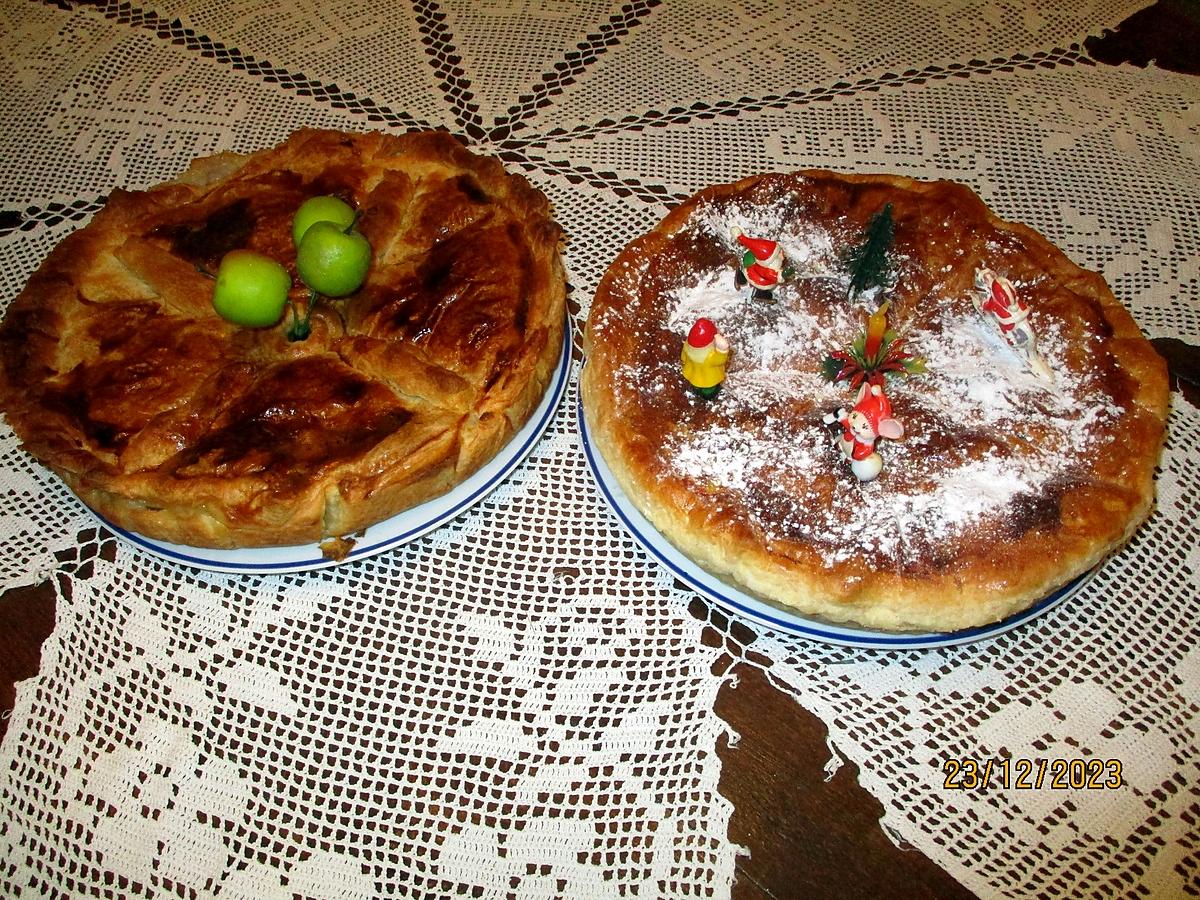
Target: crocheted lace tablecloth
x,y
519,703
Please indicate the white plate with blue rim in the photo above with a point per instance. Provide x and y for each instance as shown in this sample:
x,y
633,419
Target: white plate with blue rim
x,y
759,611
390,533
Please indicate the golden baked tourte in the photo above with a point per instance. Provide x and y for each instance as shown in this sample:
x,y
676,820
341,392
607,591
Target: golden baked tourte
x,y
960,483
174,423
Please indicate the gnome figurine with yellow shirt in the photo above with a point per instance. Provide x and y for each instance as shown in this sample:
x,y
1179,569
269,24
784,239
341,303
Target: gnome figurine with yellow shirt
x,y
704,355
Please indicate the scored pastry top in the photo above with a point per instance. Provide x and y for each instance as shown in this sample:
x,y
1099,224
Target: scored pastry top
x,y
171,421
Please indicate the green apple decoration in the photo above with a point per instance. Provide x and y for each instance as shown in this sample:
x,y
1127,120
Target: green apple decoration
x,y
333,259
321,209
251,289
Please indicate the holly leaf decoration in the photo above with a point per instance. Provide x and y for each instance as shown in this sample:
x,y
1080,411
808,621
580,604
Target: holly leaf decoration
x,y
868,262
832,365
874,355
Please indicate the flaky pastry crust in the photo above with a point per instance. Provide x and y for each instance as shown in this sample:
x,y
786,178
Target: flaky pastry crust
x,y
171,422
1002,488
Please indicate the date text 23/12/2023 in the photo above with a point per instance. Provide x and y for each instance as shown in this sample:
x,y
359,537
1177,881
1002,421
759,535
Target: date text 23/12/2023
x,y
1023,773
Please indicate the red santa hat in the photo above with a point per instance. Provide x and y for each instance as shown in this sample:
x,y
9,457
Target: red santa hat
x,y
874,404
760,247
1002,292
702,334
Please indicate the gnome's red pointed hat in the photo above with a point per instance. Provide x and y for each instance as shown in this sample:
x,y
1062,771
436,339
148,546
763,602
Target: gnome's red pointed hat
x,y
760,247
768,256
703,333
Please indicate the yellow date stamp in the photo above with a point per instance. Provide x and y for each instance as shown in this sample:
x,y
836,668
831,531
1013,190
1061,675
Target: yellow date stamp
x,y
1028,774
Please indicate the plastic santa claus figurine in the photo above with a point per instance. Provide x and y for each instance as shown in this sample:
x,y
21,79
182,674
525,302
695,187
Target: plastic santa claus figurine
x,y
870,419
762,265
998,298
704,355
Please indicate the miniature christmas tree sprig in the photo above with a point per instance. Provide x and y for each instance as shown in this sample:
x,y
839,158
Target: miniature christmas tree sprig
x,y
867,261
873,356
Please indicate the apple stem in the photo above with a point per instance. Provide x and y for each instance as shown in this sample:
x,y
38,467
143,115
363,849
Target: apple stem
x,y
354,221
300,329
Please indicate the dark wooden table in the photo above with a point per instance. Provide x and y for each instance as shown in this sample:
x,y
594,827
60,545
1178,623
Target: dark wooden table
x,y
807,836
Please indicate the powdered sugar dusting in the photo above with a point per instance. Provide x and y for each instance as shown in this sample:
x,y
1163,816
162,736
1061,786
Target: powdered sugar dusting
x,y
986,442
713,296
963,495
716,458
808,248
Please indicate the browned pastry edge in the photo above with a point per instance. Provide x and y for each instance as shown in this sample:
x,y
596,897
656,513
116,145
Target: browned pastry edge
x,y
456,421
1096,517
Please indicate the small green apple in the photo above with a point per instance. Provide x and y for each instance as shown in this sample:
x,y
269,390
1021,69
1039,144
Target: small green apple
x,y
333,261
320,209
251,289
